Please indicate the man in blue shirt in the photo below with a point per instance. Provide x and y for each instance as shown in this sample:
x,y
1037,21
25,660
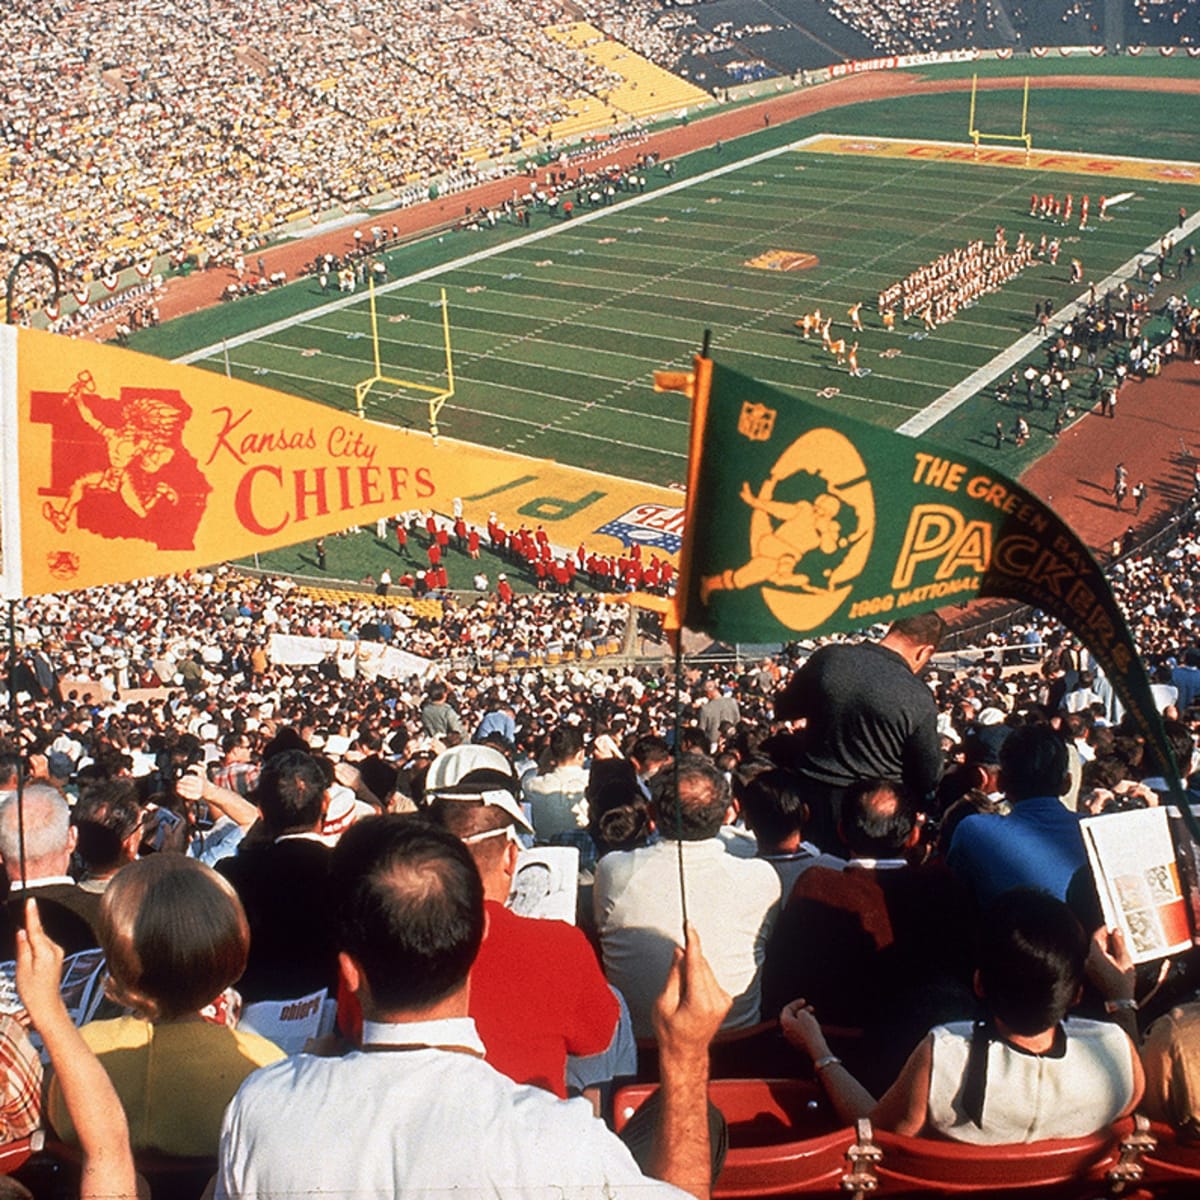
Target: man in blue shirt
x,y
1039,844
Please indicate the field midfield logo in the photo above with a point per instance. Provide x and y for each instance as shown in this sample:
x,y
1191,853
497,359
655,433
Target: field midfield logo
x,y
783,260
812,522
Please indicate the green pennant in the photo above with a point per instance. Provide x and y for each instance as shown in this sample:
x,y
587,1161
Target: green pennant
x,y
804,522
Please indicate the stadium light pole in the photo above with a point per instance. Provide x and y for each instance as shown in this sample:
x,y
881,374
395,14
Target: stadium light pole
x,y
38,256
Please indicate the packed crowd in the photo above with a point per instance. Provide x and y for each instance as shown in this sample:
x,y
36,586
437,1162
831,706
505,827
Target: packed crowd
x,y
207,136
793,795
205,140
902,28
798,789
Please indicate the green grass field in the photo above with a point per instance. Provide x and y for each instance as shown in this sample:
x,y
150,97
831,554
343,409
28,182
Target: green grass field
x,y
555,339
556,335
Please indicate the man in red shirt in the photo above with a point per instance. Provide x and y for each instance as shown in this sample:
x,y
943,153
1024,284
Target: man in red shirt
x,y
537,991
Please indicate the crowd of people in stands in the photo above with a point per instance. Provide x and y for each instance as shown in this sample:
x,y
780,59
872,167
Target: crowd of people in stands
x,y
222,124
168,714
869,840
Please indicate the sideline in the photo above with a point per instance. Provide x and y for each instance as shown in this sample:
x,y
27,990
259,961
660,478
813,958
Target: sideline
x,y
479,256
961,392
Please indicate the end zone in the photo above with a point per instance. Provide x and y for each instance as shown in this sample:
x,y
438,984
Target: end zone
x,y
1039,160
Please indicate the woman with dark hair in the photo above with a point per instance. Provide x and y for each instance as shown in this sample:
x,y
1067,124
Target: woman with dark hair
x,y
175,936
1025,1072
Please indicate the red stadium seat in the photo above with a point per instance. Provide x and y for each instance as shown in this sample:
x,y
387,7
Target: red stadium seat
x,y
1170,1161
782,1141
1102,1163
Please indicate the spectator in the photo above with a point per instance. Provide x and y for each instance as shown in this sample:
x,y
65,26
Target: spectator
x,y
867,716
438,718
1039,844
175,937
775,813
558,798
731,901
1170,1055
410,908
875,943
281,879
1027,1072
237,773
108,819
537,992
717,711
68,913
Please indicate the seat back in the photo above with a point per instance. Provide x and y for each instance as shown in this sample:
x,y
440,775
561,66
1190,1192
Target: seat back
x,y
173,1178
759,1051
932,1166
1170,1160
782,1140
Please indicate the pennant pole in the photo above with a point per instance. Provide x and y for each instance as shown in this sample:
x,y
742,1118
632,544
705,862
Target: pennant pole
x,y
695,386
37,256
14,715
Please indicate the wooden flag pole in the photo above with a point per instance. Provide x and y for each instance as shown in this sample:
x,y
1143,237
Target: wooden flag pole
x,y
679,732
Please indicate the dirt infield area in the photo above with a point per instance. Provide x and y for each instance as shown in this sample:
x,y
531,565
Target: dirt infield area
x,y
1154,433
1157,426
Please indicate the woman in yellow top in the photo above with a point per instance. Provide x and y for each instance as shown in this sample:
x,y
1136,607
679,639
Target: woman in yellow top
x,y
176,937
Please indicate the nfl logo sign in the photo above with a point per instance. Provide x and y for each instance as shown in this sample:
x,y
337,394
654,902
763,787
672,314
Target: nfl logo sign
x,y
756,422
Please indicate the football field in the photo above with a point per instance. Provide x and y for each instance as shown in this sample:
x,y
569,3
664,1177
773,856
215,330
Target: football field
x,y
556,332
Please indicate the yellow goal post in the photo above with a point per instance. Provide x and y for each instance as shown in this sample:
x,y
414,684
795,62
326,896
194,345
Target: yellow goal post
x,y
437,395
977,135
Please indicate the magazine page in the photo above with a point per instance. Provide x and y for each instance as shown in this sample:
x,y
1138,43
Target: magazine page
x,y
1137,878
546,883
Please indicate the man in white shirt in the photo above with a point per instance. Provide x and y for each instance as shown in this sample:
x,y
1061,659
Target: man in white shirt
x,y
417,1112
732,901
558,798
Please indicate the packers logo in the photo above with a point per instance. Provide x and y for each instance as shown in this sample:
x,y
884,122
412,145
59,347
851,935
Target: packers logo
x,y
812,521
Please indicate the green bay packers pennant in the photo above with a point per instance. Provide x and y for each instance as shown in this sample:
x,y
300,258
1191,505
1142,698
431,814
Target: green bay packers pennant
x,y
802,521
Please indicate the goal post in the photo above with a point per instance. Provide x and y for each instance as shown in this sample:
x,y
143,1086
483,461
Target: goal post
x,y
437,396
977,135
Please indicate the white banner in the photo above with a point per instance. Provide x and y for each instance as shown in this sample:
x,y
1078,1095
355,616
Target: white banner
x,y
370,659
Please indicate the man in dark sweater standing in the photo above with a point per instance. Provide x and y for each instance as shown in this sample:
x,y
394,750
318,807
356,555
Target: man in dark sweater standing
x,y
867,715
282,879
